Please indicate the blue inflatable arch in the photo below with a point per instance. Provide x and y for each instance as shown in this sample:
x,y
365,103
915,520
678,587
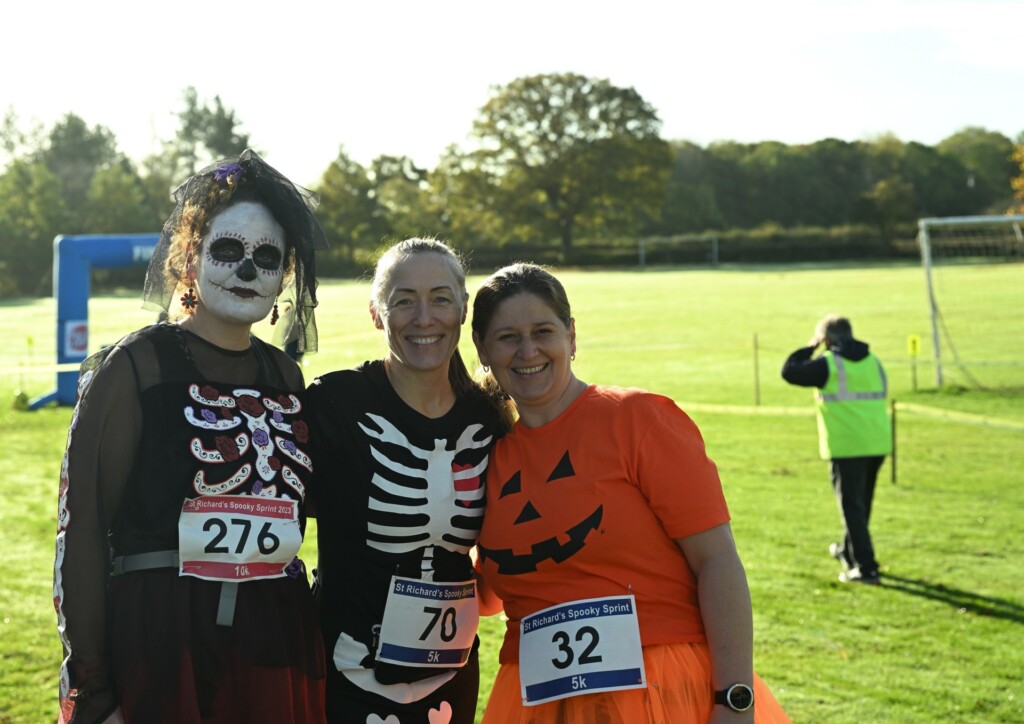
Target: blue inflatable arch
x,y
74,257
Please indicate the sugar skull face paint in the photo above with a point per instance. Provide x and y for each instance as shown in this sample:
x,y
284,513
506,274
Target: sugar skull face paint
x,y
241,263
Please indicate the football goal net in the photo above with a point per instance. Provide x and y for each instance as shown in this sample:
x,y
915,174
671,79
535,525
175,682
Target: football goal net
x,y
974,271
684,249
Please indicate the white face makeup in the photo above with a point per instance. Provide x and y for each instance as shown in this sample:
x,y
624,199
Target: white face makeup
x,y
241,264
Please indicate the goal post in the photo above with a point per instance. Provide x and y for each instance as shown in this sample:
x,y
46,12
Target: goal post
x,y
703,247
974,271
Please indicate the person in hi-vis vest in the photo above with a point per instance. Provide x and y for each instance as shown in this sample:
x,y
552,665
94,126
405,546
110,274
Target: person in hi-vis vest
x,y
854,431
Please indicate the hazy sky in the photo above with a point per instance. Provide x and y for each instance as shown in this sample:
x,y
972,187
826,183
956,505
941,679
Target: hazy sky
x,y
408,78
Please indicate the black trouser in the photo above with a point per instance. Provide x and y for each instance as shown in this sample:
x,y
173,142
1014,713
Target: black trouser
x,y
853,480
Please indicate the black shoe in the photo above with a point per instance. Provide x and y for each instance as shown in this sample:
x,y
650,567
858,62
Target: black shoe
x,y
855,575
837,551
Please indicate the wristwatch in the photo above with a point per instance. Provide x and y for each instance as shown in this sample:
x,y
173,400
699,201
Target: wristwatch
x,y
738,697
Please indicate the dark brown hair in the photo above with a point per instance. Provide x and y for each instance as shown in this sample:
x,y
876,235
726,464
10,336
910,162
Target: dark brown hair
x,y
518,278
507,282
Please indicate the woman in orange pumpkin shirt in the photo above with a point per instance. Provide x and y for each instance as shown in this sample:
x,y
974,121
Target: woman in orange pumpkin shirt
x,y
606,538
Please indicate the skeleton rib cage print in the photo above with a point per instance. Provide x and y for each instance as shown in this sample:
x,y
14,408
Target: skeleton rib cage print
x,y
421,497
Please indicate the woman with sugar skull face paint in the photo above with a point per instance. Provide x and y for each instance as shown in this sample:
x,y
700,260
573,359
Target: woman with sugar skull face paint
x,y
178,592
240,270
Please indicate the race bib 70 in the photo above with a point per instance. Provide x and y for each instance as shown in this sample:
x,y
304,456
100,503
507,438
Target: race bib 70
x,y
428,624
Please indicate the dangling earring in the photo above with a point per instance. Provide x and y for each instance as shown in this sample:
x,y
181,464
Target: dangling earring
x,y
572,357
485,368
274,315
189,301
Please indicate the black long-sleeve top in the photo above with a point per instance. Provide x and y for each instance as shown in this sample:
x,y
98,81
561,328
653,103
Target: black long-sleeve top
x,y
803,369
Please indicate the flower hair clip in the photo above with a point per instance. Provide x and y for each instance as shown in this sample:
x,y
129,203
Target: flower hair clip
x,y
228,175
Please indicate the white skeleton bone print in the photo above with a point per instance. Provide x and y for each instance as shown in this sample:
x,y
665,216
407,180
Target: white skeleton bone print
x,y
444,503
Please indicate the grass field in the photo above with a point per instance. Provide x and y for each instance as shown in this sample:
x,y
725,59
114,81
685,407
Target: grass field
x,y
940,640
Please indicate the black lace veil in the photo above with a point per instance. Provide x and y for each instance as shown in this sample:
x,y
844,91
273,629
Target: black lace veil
x,y
200,197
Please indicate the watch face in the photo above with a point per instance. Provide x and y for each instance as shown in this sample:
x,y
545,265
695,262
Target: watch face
x,y
740,697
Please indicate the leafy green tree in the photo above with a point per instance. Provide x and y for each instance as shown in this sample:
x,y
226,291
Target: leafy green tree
x,y
470,204
832,185
580,152
938,181
159,177
755,183
725,172
74,152
13,140
207,131
941,182
773,178
988,159
1017,182
349,212
222,137
402,192
32,214
818,184
118,202
690,201
884,155
894,202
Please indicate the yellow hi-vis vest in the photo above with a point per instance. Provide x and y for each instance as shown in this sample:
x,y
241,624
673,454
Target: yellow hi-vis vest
x,y
852,417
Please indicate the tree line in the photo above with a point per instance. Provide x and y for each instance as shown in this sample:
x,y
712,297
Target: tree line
x,y
555,163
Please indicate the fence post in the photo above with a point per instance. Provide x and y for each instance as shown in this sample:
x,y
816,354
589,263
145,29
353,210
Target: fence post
x,y
757,376
892,406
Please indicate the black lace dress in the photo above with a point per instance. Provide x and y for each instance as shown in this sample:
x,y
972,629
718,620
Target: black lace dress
x,y
164,418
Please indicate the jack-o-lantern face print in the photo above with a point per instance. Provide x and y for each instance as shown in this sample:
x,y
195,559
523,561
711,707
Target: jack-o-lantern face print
x,y
534,505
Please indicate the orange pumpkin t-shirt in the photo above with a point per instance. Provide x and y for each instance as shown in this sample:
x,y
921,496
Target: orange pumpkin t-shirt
x,y
590,504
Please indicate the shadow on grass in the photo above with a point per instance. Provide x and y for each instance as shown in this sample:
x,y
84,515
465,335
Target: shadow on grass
x,y
963,600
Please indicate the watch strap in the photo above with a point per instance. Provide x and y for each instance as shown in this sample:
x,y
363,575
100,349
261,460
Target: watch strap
x,y
727,697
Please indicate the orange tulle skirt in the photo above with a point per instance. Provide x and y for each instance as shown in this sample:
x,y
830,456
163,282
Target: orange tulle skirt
x,y
678,691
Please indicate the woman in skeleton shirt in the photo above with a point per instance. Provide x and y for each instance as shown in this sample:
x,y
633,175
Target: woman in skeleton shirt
x,y
178,592
401,446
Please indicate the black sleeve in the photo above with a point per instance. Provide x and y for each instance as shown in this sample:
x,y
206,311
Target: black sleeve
x,y
800,369
319,413
290,370
100,451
